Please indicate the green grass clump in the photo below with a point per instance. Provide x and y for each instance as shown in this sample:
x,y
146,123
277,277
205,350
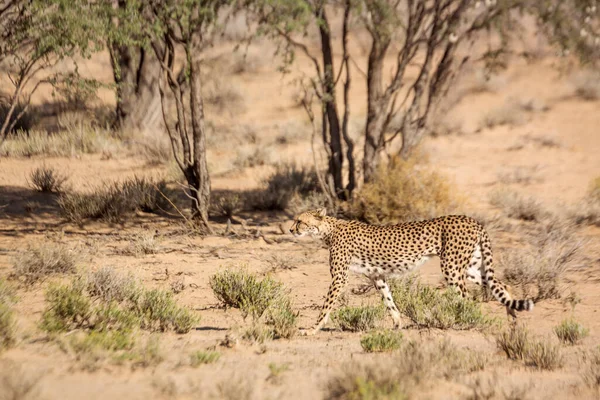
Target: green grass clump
x,y
356,319
428,307
204,357
68,308
238,288
282,319
571,332
376,342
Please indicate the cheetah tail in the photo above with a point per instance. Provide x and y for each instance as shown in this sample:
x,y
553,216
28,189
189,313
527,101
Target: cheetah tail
x,y
497,288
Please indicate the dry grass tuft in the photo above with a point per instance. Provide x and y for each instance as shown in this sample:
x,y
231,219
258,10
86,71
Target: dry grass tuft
x,y
47,180
37,263
590,370
403,191
204,357
7,316
570,331
515,205
517,344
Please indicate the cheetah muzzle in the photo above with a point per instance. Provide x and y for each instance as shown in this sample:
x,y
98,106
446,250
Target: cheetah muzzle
x,y
379,252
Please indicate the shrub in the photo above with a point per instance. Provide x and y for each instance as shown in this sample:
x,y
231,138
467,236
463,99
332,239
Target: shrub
x,y
142,244
108,285
544,355
159,311
570,332
243,290
146,356
282,319
68,308
381,341
37,263
108,302
403,191
538,273
204,357
514,205
514,342
365,382
46,180
258,333
428,307
287,184
227,204
356,319
113,202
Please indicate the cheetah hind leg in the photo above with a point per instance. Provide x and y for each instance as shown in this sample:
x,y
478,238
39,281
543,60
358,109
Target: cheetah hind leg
x,y
388,300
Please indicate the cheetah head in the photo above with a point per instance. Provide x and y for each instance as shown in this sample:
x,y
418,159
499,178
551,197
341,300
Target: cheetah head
x,y
309,223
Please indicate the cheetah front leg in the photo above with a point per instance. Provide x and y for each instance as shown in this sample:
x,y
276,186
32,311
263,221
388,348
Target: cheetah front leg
x,y
388,300
340,278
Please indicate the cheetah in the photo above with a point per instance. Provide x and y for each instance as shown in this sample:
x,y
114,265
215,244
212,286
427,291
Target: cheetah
x,y
380,252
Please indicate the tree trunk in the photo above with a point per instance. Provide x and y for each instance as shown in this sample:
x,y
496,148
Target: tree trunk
x,y
336,157
376,109
138,101
201,179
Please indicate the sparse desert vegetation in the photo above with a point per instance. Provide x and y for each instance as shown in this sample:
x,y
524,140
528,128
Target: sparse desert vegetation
x,y
150,175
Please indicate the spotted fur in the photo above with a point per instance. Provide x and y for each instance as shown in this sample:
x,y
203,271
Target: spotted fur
x,y
379,252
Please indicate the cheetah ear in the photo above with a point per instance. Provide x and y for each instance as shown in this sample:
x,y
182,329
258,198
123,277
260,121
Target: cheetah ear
x,y
322,212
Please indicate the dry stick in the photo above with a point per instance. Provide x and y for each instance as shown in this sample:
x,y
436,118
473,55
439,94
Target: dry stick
x,y
190,224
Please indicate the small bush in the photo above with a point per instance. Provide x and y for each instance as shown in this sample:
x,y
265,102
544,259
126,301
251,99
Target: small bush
x,y
588,211
113,340
514,342
227,204
204,357
108,285
544,355
142,244
47,180
37,263
538,273
357,319
570,332
68,308
428,307
282,319
243,290
514,205
365,382
403,191
289,183
159,311
258,333
113,202
109,302
381,341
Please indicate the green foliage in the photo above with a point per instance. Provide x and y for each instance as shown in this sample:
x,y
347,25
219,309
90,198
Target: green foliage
x,y
357,319
238,288
37,263
403,191
68,308
570,331
282,318
116,201
204,357
159,311
428,307
381,341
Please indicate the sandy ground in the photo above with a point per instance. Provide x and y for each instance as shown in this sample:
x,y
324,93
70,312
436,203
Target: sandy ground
x,y
474,160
